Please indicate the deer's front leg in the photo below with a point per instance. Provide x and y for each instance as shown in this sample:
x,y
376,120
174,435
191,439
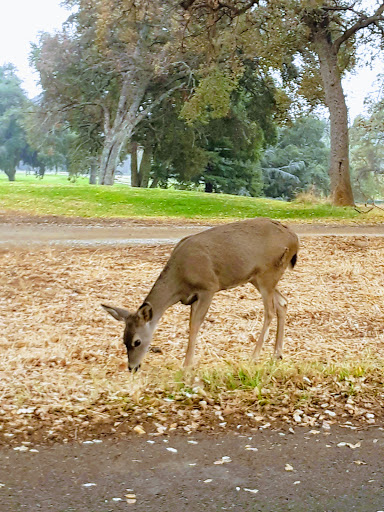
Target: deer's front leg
x,y
267,296
198,311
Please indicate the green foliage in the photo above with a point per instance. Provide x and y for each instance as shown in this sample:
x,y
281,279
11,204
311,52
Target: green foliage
x,y
233,148
222,154
367,155
76,85
177,153
49,142
299,160
309,43
212,97
13,144
108,68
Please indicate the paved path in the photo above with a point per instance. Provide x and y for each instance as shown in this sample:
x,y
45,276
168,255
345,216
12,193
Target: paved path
x,y
33,231
172,474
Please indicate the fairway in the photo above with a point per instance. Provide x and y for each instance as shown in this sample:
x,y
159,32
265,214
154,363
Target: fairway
x,y
54,195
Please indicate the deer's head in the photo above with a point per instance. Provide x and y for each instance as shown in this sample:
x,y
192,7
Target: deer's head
x,y
137,333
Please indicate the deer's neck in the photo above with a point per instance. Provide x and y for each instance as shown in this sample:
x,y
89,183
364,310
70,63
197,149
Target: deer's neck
x,y
162,295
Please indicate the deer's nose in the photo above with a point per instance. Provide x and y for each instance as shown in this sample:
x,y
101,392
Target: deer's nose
x,y
134,369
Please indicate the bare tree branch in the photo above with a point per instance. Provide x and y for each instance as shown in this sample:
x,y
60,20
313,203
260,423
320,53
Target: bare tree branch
x,y
143,114
360,24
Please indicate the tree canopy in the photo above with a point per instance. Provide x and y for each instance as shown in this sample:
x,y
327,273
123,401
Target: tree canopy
x,y
13,143
311,43
221,152
101,70
367,154
299,160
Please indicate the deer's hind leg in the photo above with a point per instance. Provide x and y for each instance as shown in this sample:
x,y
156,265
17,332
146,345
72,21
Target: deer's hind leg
x,y
199,309
280,304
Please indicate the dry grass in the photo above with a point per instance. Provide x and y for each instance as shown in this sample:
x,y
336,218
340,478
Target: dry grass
x,y
310,197
63,365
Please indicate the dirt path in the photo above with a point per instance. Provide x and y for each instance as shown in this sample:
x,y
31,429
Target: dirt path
x,y
179,474
22,230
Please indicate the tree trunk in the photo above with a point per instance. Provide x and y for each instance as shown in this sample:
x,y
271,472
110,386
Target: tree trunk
x,y
145,167
110,158
155,182
11,173
208,187
134,166
41,172
341,189
93,173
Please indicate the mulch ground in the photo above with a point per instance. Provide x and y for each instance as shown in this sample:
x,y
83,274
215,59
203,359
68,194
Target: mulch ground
x,y
63,369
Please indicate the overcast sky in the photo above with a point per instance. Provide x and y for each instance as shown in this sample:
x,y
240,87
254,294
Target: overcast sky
x,y
22,20
20,23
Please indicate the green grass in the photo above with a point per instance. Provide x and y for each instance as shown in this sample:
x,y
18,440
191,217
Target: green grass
x,y
55,195
276,382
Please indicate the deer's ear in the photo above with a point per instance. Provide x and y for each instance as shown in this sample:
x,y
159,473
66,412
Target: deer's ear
x,y
119,314
145,312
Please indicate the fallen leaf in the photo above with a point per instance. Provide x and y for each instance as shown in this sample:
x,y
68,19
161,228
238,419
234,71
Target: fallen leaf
x,y
350,445
297,417
251,448
26,410
223,460
21,449
139,430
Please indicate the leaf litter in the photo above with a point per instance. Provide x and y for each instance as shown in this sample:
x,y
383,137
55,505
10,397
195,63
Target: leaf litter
x,y
64,372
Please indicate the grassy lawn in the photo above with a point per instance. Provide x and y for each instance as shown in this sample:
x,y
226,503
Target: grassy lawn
x,y
55,195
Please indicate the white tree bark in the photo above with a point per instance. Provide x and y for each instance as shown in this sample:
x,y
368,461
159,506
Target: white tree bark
x,y
128,116
124,123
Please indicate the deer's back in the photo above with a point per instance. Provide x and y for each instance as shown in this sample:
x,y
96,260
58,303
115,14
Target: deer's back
x,y
231,254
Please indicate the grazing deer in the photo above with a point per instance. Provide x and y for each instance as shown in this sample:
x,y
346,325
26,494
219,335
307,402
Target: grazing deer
x,y
253,251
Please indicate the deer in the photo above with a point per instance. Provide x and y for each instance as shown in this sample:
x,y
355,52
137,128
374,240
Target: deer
x,y
255,251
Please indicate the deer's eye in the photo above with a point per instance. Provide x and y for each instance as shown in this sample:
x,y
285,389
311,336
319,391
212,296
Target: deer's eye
x,y
137,343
